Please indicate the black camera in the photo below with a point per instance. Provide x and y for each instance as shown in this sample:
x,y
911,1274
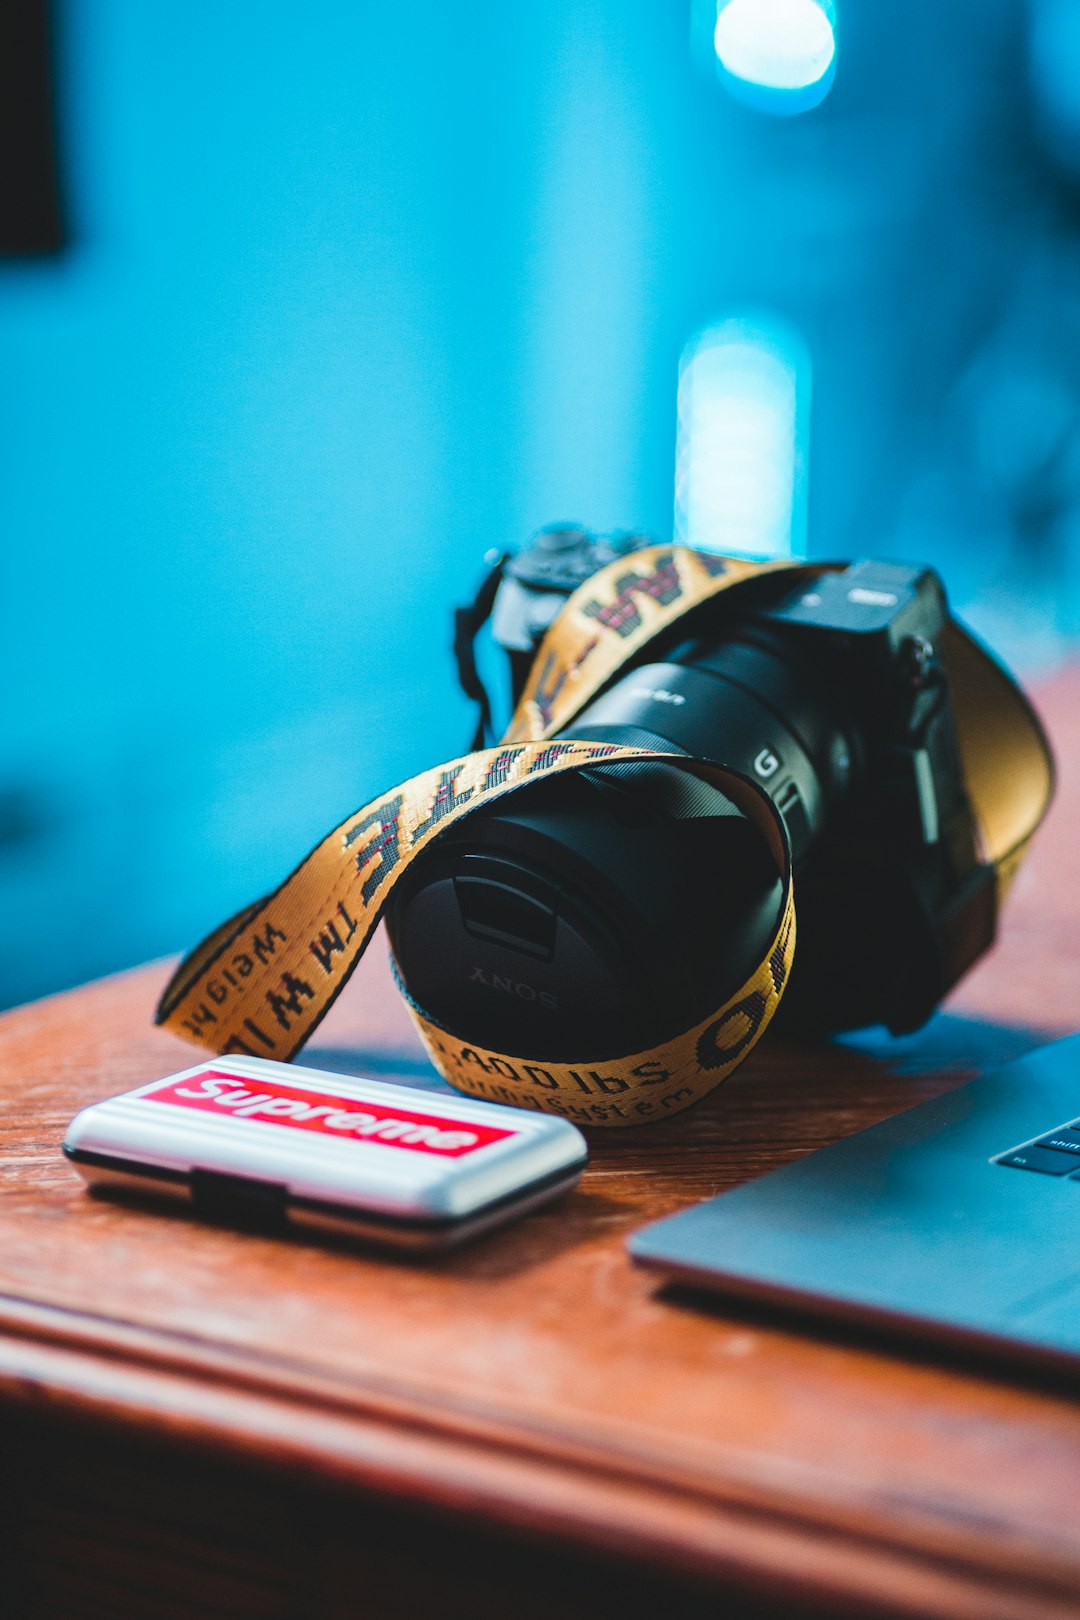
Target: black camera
x,y
632,896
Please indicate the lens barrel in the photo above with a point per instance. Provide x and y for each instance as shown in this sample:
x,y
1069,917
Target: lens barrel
x,y
630,896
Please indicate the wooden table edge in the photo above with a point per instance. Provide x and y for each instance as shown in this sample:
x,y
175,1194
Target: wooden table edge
x,y
60,1364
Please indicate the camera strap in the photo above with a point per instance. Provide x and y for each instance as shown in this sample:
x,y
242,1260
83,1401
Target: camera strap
x,y
468,622
263,980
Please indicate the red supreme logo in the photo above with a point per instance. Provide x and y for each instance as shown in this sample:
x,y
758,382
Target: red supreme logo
x,y
275,1104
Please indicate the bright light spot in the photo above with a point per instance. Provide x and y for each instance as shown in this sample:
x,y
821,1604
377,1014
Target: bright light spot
x,y
740,463
784,48
1055,70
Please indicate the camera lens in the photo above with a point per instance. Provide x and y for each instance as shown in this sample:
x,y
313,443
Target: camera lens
x,y
631,897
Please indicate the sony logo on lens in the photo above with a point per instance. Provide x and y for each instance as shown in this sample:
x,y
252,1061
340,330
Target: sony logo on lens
x,y
658,694
513,987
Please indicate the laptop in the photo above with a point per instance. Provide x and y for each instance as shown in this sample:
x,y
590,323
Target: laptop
x,y
958,1220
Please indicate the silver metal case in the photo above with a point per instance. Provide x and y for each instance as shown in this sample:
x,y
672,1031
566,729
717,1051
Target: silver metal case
x,y
251,1139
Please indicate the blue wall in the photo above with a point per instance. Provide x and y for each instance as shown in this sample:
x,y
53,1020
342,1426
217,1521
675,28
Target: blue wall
x,y
305,360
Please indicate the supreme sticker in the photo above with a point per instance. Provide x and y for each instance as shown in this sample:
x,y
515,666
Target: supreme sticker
x,y
272,1103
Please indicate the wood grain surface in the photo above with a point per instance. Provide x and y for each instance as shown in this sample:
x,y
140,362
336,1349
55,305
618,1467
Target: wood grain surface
x,y
536,1388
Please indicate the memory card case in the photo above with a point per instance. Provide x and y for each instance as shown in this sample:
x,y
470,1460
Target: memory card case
x,y
274,1145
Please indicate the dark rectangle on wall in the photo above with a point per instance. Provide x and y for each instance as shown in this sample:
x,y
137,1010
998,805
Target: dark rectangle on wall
x,y
31,218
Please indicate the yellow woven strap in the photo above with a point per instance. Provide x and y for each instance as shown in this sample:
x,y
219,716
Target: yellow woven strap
x,y
262,981
612,617
261,985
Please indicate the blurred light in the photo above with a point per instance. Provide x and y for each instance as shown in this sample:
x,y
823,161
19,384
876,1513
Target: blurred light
x,y
778,55
740,462
1055,78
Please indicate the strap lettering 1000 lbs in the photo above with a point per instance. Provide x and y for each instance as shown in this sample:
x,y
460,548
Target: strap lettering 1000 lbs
x,y
263,980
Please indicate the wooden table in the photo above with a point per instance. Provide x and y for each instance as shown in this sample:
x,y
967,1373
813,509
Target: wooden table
x,y
200,1421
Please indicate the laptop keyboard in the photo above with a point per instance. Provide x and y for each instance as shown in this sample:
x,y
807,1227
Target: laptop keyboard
x,y
1056,1154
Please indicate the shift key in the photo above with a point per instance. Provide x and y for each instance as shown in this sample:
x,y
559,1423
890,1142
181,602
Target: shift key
x,y
1061,1142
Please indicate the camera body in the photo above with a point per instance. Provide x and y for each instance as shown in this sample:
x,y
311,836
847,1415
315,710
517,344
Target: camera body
x,y
534,584
630,895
